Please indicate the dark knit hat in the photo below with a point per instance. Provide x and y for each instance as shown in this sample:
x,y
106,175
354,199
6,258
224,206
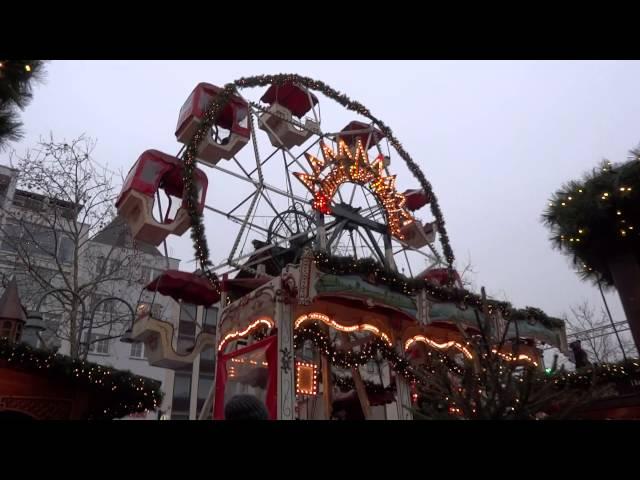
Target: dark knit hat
x,y
245,407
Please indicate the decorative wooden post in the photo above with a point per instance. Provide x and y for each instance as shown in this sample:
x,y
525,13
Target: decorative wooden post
x,y
361,390
403,392
286,364
326,386
403,399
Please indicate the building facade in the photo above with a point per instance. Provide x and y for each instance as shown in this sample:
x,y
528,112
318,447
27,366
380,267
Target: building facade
x,y
111,269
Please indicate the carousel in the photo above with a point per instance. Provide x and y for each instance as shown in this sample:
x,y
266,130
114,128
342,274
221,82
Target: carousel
x,y
333,280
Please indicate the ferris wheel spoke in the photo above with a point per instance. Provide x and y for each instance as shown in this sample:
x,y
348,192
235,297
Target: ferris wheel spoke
x,y
262,163
373,246
243,169
337,231
241,203
266,186
314,143
266,198
355,250
353,193
287,177
266,248
406,257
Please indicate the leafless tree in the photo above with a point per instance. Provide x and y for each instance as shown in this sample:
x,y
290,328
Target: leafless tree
x,y
467,274
600,346
64,199
490,386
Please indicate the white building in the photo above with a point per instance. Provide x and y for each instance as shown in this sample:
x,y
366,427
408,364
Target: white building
x,y
41,257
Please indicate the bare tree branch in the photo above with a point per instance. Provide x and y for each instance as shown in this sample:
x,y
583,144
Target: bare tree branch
x,y
66,200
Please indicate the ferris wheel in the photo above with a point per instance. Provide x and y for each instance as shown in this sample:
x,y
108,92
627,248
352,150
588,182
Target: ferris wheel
x,y
270,181
275,178
319,254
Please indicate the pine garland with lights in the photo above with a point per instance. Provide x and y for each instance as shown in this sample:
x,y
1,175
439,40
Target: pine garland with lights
x,y
370,269
16,82
592,218
620,374
350,359
217,105
120,393
526,313
346,384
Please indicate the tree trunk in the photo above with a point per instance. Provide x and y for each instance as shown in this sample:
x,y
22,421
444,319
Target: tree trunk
x,y
74,345
625,271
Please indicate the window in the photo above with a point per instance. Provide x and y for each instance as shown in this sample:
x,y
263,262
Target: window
x,y
205,377
37,239
99,264
187,328
6,329
105,307
137,350
204,385
52,321
110,267
12,236
188,312
98,346
148,274
18,332
150,172
181,393
210,320
65,252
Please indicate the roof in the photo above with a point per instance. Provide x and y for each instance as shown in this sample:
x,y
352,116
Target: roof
x,y
39,197
10,305
118,234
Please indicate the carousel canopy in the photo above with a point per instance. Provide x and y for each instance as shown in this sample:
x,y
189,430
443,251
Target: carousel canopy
x,y
185,287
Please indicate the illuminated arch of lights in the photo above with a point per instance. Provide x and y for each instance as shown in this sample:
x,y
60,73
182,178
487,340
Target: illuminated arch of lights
x,y
513,358
363,327
343,167
439,346
241,333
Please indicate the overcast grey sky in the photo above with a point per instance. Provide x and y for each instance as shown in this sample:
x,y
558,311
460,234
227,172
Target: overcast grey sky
x,y
494,138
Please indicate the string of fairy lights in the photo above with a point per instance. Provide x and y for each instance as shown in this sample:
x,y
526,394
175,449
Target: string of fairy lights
x,y
345,166
597,215
118,393
348,359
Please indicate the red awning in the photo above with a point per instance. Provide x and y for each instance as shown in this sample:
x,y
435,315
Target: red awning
x,y
186,287
292,96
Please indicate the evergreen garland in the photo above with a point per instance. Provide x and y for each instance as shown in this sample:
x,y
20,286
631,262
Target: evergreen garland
x,y
596,217
16,83
120,393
